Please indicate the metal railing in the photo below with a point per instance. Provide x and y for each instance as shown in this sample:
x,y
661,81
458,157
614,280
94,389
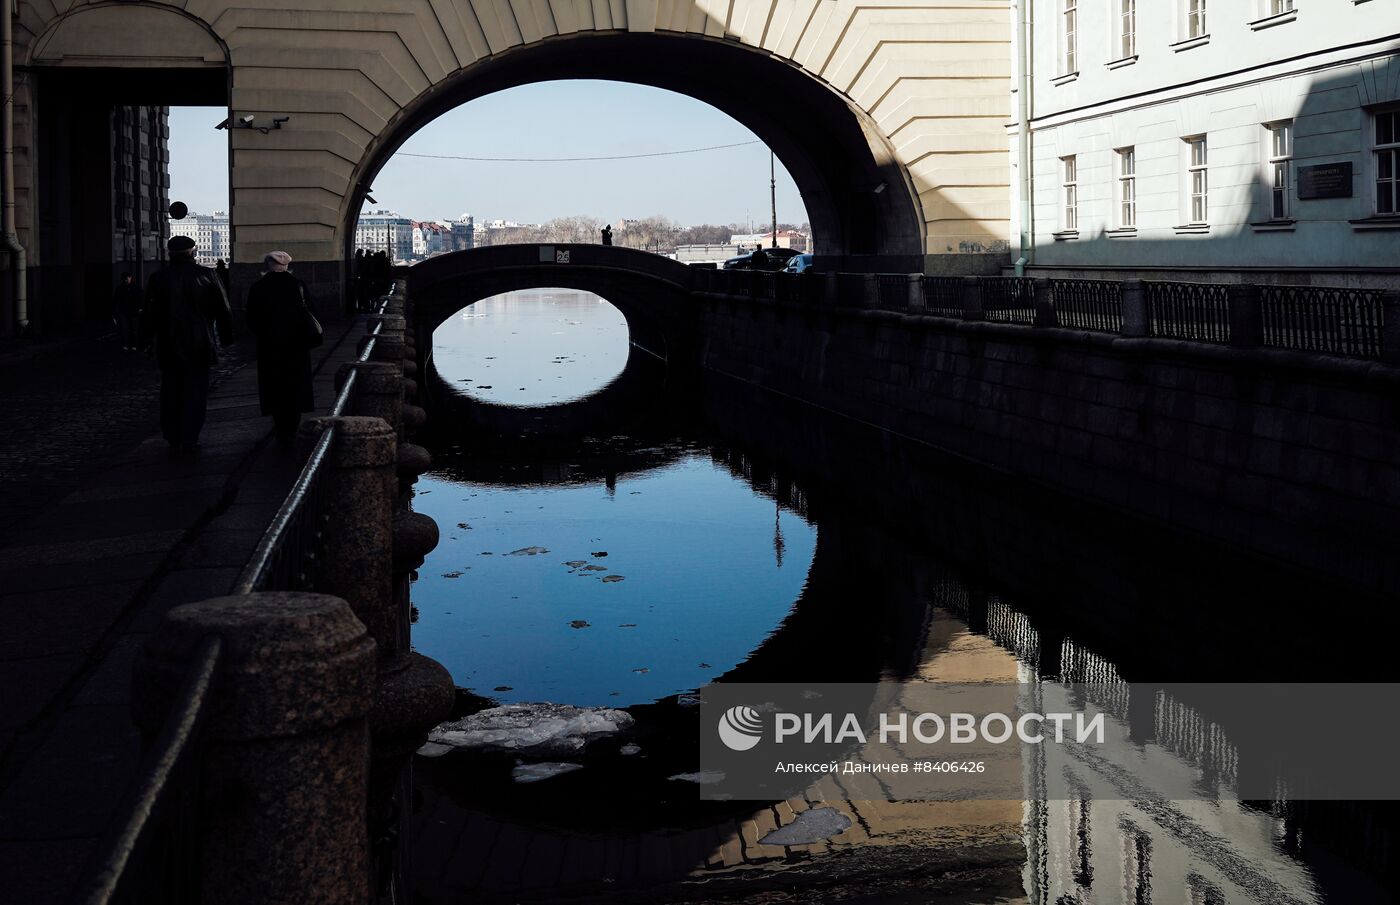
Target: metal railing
x,y
894,291
1194,311
1322,319
1328,319
1088,304
943,296
152,855
1008,299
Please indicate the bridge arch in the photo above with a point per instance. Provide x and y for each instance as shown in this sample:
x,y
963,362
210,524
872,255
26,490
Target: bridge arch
x,y
652,292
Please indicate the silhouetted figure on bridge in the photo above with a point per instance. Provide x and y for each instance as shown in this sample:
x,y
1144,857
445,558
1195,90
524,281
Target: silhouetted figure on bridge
x,y
607,235
186,318
360,296
126,311
280,317
221,271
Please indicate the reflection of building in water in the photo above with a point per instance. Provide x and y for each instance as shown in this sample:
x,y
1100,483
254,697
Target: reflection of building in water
x,y
1111,839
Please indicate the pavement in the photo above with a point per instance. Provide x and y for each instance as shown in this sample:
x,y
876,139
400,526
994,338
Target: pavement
x,y
102,529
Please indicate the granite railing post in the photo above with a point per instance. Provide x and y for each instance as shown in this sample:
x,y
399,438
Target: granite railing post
x,y
361,491
1136,317
916,294
972,299
1042,297
870,292
1246,316
1390,326
284,762
378,391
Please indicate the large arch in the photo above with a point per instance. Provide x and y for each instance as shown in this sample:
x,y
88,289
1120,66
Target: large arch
x,y
859,199
911,95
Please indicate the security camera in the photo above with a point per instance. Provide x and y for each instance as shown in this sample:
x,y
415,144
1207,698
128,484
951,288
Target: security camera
x,y
247,120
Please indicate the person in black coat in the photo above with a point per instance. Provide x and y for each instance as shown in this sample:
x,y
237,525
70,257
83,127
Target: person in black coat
x,y
126,310
280,317
186,316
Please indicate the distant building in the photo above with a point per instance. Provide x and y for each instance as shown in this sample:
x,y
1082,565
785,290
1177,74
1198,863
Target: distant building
x,y
385,231
787,238
501,232
210,233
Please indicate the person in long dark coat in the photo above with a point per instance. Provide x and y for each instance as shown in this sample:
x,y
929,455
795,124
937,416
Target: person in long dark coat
x,y
185,317
279,316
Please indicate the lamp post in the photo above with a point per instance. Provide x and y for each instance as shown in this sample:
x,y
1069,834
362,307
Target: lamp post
x,y
773,192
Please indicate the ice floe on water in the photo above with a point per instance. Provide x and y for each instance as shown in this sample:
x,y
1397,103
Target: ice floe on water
x,y
537,772
528,728
704,777
527,551
810,826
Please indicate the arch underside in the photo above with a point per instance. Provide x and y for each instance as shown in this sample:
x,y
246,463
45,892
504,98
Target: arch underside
x,y
859,198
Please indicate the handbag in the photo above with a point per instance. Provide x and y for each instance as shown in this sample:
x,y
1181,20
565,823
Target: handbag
x,y
311,333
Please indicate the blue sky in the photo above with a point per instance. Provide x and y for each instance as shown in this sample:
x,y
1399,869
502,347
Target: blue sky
x,y
548,119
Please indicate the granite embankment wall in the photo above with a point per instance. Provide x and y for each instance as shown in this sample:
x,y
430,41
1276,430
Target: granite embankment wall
x,y
1287,454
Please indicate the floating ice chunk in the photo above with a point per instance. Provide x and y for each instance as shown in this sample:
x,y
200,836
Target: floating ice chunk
x,y
537,772
434,749
609,579
810,826
536,728
527,551
704,777
629,749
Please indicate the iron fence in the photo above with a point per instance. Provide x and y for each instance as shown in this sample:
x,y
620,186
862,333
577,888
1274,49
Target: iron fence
x,y
1194,311
152,856
1008,299
943,296
894,291
1088,304
1328,319
799,288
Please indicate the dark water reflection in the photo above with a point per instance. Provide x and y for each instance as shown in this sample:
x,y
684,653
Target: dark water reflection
x,y
896,562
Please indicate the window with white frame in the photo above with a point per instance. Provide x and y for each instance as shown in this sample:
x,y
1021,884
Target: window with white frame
x,y
1279,7
1197,180
1280,168
1127,28
1127,188
1196,19
1069,36
1387,161
1069,212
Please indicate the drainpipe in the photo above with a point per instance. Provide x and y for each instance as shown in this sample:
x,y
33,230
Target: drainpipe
x,y
7,167
1023,130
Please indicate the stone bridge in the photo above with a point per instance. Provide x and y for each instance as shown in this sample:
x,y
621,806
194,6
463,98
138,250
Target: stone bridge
x,y
651,291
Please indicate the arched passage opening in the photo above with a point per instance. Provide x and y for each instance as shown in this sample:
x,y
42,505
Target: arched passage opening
x,y
859,199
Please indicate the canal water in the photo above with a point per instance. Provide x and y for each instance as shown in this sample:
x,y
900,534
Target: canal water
x,y
616,535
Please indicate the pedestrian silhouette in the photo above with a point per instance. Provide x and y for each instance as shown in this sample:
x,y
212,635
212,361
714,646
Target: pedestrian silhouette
x,y
607,235
126,311
185,318
221,271
280,317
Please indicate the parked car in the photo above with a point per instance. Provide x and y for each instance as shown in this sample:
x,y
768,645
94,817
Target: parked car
x,y
770,259
799,264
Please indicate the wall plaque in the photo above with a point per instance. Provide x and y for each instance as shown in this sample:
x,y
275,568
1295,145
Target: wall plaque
x,y
1326,180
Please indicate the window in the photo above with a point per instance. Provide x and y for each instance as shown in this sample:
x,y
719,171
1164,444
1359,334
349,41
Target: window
x,y
1069,220
1071,36
1127,28
1127,188
1196,19
1279,7
1387,153
1280,164
1197,180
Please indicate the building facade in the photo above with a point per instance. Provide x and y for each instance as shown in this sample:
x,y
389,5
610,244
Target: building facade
x,y
1209,139
210,232
385,231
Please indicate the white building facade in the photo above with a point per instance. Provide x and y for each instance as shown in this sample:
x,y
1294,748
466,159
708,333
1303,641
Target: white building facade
x,y
385,231
210,233
1209,139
